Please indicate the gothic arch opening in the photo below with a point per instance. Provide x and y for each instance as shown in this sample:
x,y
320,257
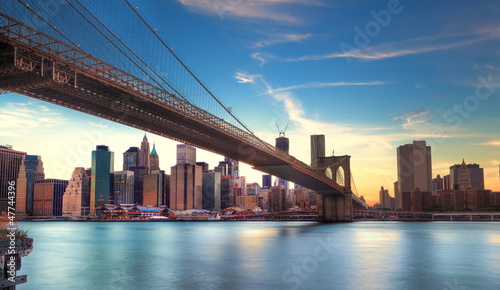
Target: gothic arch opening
x,y
340,176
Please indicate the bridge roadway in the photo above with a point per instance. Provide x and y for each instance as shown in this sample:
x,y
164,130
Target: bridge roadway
x,y
39,66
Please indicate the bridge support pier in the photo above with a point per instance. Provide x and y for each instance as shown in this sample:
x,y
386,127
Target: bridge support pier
x,y
335,208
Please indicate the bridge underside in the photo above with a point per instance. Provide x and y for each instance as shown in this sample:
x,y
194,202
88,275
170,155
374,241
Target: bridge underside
x,y
45,70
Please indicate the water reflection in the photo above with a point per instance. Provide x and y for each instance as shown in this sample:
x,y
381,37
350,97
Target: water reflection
x,y
263,255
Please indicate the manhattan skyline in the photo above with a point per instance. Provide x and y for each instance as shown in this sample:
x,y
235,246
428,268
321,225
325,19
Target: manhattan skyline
x,y
325,68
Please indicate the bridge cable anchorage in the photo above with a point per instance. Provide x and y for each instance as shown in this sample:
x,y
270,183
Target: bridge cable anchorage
x,y
187,69
119,49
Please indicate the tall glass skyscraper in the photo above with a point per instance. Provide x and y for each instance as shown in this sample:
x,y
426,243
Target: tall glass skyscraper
x,y
100,183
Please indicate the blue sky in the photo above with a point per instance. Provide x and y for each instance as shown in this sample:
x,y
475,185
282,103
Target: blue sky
x,y
370,75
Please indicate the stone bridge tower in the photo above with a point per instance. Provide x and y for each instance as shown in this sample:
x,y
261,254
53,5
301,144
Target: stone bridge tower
x,y
332,207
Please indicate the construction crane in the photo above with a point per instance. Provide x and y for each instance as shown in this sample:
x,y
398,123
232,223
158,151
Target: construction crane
x,y
282,133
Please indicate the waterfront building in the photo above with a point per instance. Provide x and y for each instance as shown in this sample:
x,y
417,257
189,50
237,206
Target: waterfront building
x,y
247,201
153,188
76,197
31,169
10,162
414,166
48,197
123,187
100,183
277,199
211,191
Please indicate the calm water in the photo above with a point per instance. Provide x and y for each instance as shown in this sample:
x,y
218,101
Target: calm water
x,y
263,255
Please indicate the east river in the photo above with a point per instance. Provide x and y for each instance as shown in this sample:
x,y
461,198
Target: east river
x,y
262,255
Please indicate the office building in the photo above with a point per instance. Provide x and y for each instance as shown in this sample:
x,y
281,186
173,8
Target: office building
x,y
277,199
253,189
48,197
186,180
414,167
154,160
101,179
227,191
144,153
186,154
131,158
266,181
139,173
317,148
31,169
76,198
283,144
464,176
153,188
10,162
211,191
385,200
123,187
247,201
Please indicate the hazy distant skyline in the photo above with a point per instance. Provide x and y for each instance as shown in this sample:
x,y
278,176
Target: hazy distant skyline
x,y
369,75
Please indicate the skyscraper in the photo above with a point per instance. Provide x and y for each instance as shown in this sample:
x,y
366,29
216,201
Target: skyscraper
x,y
131,158
186,154
76,198
10,161
211,199
414,168
123,187
283,144
186,180
462,174
227,191
144,159
385,200
154,160
277,199
48,197
153,188
100,184
31,169
317,148
266,181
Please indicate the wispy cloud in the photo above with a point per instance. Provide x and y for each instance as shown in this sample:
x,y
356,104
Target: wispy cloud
x,y
414,118
322,85
281,39
244,77
408,47
262,57
273,10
